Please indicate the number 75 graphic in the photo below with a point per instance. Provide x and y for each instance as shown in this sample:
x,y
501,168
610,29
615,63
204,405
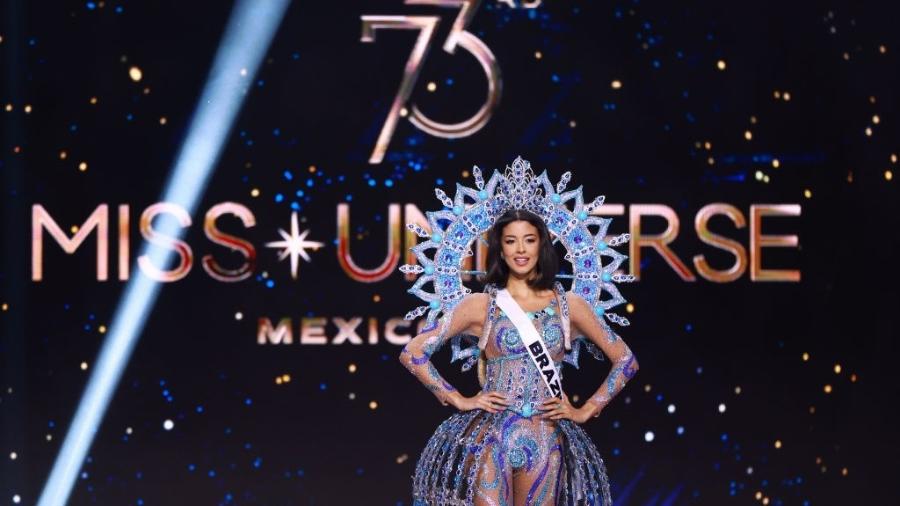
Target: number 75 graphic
x,y
427,26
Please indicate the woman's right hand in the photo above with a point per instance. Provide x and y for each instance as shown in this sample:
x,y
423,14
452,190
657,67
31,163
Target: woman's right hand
x,y
492,402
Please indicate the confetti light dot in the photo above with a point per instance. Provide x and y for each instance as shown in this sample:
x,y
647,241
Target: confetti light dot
x,y
777,443
254,192
351,396
766,178
649,436
758,495
882,49
749,470
647,388
853,378
102,329
616,84
786,96
163,120
49,437
876,120
129,430
737,390
888,175
13,456
351,368
775,163
402,458
722,407
168,424
807,193
629,307
84,366
5,307
893,158
707,145
432,86
74,229
373,405
83,166
711,161
93,100
812,410
721,65
671,408
868,131
758,175
404,112
748,135
17,499
845,471
63,155
28,109
765,500
837,368
286,378
244,72
9,107
239,316
376,298
278,380
827,389
538,55
805,357
135,74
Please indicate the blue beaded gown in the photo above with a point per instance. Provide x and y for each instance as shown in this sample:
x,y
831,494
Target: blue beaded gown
x,y
514,457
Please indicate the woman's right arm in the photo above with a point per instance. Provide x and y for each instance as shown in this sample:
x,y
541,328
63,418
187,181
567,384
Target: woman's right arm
x,y
466,317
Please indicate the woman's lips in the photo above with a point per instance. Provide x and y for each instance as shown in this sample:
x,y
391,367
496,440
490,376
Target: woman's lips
x,y
520,260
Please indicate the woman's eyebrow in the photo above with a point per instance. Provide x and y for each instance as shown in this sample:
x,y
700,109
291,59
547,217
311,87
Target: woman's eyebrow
x,y
513,236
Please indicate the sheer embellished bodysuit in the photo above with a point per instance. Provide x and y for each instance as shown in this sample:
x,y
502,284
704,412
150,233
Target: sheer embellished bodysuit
x,y
514,457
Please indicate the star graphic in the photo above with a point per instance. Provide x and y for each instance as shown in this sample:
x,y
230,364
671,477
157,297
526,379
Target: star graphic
x,y
294,245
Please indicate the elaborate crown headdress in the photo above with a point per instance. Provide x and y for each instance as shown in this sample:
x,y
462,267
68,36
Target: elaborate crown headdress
x,y
473,211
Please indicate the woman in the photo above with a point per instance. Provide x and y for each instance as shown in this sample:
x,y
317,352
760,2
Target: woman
x,y
514,443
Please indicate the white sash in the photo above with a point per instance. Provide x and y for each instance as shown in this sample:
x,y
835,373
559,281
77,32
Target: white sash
x,y
537,350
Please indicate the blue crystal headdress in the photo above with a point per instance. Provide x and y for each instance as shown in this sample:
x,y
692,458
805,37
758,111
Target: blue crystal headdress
x,y
473,211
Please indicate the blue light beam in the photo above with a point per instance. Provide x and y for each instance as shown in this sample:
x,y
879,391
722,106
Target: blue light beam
x,y
250,29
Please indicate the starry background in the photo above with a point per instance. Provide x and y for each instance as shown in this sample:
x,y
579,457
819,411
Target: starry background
x,y
749,393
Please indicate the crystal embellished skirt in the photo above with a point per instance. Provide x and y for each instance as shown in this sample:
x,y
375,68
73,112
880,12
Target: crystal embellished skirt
x,y
476,457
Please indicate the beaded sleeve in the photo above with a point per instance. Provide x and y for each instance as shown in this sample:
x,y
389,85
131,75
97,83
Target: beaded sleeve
x,y
464,318
624,363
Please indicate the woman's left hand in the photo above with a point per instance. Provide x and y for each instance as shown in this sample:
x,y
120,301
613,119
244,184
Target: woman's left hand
x,y
558,409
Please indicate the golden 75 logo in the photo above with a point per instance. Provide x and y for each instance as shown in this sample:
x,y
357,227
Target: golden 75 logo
x,y
459,37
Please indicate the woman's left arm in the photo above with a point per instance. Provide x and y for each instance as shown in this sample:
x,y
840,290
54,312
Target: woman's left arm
x,y
624,364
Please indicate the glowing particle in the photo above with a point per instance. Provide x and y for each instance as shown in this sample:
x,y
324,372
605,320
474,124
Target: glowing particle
x,y
93,100
84,366
351,368
82,166
286,378
129,430
49,437
777,443
402,458
850,176
827,389
63,155
775,163
432,86
163,120
786,96
404,112
27,108
758,495
872,99
135,74
538,55
74,229
845,471
373,405
720,65
766,178
9,107
707,145
765,500
807,193
278,380
376,298
5,306
254,192
102,329
737,390
722,407
882,49
868,131
777,94
239,316
647,387
711,160
758,175
837,368
572,124
649,436
168,424
749,469
244,72
146,91
17,499
812,410
13,456
671,408
853,378
351,396
875,119
893,157
616,84
629,307
805,356
888,175
752,120
748,135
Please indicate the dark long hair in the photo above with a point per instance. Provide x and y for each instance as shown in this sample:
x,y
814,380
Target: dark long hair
x,y
547,264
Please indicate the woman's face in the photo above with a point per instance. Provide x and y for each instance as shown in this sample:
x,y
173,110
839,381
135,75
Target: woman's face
x,y
520,244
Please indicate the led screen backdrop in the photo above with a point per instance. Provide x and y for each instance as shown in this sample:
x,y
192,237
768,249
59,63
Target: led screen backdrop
x,y
216,194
